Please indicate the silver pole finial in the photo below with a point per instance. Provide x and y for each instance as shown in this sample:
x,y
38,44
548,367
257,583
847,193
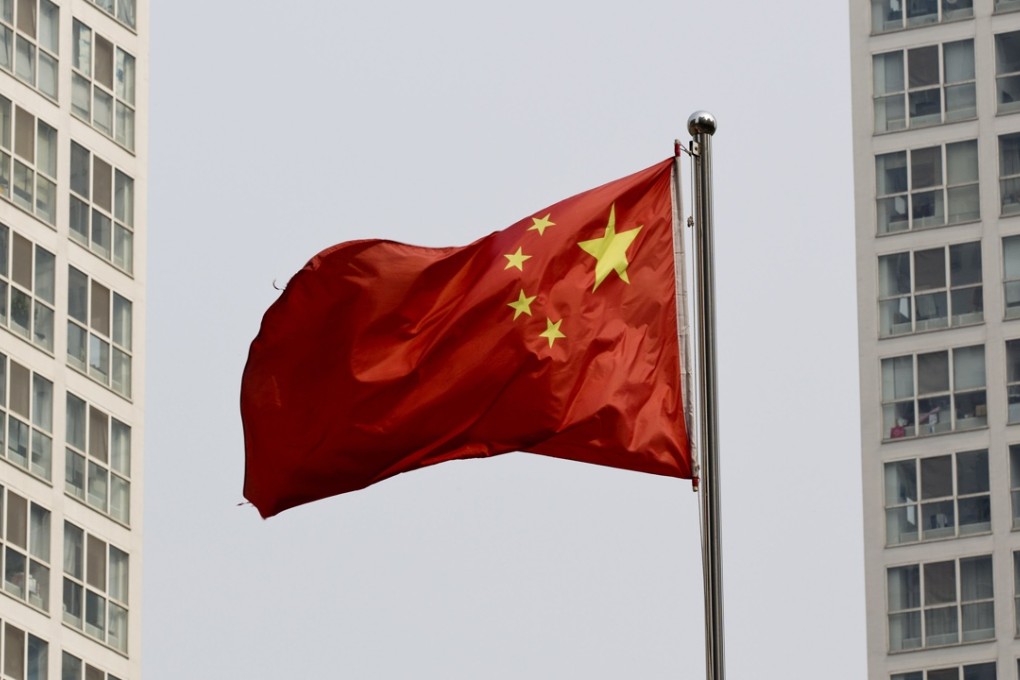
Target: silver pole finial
x,y
701,122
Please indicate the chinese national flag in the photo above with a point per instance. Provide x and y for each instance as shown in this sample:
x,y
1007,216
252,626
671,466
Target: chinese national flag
x,y
557,336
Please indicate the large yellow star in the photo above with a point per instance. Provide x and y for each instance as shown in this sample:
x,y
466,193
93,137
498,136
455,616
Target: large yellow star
x,y
552,331
610,251
541,224
516,260
522,305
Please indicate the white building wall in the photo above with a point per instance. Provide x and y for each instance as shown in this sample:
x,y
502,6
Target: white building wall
x,y
52,494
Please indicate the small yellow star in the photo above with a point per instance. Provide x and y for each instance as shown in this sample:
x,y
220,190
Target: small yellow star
x,y
610,251
541,224
552,331
522,305
516,260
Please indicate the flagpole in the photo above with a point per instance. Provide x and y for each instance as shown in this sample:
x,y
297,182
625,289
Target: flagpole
x,y
702,126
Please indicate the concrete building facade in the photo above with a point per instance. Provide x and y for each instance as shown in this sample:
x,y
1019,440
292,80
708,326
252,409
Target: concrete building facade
x,y
73,164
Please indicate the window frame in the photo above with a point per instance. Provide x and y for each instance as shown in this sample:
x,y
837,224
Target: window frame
x,y
941,16
42,51
82,447
87,77
944,195
912,96
926,612
79,585
927,509
87,343
37,565
87,210
890,304
33,429
40,310
20,174
892,413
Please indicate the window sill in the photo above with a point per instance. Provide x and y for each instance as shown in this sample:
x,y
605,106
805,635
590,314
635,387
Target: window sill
x,y
96,510
929,648
924,331
961,223
926,126
931,435
940,539
85,635
901,29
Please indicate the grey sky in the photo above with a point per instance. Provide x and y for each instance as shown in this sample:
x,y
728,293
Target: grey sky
x,y
278,130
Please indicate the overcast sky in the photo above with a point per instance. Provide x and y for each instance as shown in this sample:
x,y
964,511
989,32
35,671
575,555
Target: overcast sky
x,y
277,132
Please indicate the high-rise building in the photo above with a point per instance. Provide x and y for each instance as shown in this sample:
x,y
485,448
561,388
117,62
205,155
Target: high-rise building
x,y
936,110
73,159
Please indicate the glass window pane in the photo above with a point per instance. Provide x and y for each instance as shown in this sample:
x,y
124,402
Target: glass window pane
x,y
126,76
124,199
888,72
939,583
45,274
74,550
77,295
926,167
923,66
49,25
969,367
75,422
14,652
96,563
42,402
121,321
104,61
39,536
1007,52
936,477
932,372
891,170
959,57
99,308
962,162
972,472
930,269
46,160
80,171
894,274
897,378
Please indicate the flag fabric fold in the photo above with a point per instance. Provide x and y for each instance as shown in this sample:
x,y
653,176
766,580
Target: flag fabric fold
x,y
555,336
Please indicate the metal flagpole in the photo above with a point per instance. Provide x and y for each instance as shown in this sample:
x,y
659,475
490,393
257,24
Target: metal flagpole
x,y
702,126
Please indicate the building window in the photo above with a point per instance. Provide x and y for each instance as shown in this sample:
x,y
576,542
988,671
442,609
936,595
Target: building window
x,y
73,668
124,11
99,332
102,208
103,85
1007,71
28,161
930,289
1011,269
26,288
25,656
924,86
975,671
26,532
29,31
27,406
924,394
891,15
937,497
929,187
1013,380
98,461
1006,5
95,587
940,603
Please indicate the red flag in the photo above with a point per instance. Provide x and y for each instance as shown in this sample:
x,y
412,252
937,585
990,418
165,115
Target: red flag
x,y
557,336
